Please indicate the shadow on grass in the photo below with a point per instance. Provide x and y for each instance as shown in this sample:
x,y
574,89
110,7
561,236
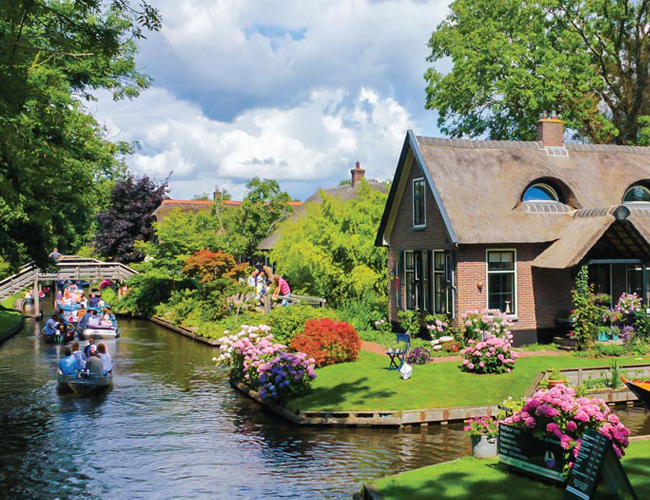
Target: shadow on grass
x,y
638,470
341,396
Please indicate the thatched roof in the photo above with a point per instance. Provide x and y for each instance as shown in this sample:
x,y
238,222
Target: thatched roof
x,y
479,186
197,206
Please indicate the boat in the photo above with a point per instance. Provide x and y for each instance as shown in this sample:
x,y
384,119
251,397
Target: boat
x,y
640,388
67,308
102,331
68,336
83,383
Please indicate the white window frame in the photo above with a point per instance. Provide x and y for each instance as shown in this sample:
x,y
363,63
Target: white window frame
x,y
406,290
424,202
433,275
628,268
545,186
630,189
487,278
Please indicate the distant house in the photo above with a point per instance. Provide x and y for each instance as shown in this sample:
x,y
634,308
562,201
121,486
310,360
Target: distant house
x,y
505,225
344,192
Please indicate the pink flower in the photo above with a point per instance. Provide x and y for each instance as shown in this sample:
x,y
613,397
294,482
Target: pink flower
x,y
571,426
530,422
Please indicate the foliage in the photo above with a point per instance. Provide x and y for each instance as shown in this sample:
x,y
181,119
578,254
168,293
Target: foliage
x,y
328,342
288,321
629,303
129,218
227,342
610,349
287,375
477,325
642,324
558,413
383,326
409,321
56,164
208,266
329,250
148,289
482,426
492,355
587,60
388,338
249,354
437,324
586,314
365,313
418,356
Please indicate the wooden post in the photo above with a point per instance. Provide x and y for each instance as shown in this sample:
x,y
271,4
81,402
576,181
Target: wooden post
x,y
644,284
267,304
37,299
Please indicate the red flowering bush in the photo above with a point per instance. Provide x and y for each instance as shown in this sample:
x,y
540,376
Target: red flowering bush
x,y
328,342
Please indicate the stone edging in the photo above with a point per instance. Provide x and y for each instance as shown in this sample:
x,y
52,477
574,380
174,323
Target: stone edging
x,y
184,331
13,330
283,412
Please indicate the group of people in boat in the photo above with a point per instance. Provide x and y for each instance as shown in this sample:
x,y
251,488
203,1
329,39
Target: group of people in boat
x,y
94,360
262,279
74,295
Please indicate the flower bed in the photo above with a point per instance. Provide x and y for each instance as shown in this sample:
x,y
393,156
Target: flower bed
x,y
488,342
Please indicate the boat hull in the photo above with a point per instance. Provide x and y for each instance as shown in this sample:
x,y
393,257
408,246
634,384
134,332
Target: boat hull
x,y
68,336
84,385
641,389
98,332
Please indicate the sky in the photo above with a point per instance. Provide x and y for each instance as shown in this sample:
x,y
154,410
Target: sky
x,y
291,90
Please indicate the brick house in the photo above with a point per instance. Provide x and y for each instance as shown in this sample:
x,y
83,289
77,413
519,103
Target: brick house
x,y
505,225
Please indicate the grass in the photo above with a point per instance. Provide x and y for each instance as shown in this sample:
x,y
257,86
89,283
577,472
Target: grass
x,y
538,347
471,478
8,319
9,302
366,384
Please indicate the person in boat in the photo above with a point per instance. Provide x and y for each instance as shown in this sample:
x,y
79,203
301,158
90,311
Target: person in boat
x,y
106,318
107,362
83,321
67,365
94,300
88,348
78,355
83,303
94,363
94,319
101,303
52,324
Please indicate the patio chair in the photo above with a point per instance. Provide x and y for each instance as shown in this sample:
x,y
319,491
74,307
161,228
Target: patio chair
x,y
398,355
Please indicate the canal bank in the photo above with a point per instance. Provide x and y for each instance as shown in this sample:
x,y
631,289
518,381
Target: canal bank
x,y
11,322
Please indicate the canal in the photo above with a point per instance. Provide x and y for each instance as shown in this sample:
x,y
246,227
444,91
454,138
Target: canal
x,y
171,427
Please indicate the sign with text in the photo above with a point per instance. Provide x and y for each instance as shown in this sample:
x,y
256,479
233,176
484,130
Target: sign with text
x,y
542,457
597,460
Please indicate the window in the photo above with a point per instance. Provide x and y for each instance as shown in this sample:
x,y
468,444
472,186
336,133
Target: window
x,y
636,194
409,280
635,280
501,280
600,275
540,192
439,283
419,216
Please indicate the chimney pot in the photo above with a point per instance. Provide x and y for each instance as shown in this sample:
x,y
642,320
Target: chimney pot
x,y
550,131
357,174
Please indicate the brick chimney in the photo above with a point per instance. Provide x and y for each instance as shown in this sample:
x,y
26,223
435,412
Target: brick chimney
x,y
357,174
550,131
217,194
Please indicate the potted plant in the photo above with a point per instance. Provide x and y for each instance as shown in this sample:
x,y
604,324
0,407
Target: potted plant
x,y
555,378
483,431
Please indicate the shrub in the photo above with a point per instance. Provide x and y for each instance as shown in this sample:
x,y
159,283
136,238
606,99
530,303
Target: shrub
x,y
587,315
286,375
478,325
437,324
364,314
482,426
628,303
409,321
228,341
642,324
610,349
328,342
493,355
248,354
286,322
558,413
418,356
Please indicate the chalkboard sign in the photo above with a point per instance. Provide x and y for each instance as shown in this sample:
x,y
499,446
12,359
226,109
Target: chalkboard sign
x,y
542,457
597,460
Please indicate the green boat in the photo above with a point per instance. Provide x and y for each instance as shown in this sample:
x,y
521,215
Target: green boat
x,y
83,384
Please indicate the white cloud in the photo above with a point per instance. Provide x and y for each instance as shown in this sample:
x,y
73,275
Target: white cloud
x,y
311,145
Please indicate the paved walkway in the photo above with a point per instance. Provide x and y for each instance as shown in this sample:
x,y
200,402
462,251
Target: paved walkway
x,y
379,349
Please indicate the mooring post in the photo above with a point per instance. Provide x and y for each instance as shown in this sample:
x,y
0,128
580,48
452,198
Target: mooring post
x,y
37,299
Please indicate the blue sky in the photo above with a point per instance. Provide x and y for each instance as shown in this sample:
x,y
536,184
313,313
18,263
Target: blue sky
x,y
292,90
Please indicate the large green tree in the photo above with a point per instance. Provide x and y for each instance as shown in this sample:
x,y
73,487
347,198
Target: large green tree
x,y
56,166
330,252
588,60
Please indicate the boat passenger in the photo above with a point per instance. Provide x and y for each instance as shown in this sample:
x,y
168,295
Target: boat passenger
x,y
59,295
78,355
94,320
94,300
94,364
101,303
87,349
52,324
107,362
67,365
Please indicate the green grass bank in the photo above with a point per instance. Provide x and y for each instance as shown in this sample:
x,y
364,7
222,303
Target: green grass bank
x,y
471,478
366,384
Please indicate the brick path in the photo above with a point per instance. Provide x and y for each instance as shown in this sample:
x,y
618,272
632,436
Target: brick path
x,y
379,349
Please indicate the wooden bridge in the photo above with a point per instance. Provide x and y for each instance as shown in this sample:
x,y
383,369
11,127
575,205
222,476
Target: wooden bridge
x,y
70,267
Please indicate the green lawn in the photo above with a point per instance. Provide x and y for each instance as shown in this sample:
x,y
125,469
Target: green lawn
x,y
10,301
471,478
8,318
366,384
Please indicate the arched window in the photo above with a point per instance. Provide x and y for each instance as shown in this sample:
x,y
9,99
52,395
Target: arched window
x,y
540,192
637,193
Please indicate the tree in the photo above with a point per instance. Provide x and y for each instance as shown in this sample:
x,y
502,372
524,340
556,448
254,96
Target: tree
x,y
129,218
56,166
588,60
331,253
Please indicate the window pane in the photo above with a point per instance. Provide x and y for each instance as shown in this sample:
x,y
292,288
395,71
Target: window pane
x,y
440,261
540,192
501,292
440,294
501,261
599,276
635,280
409,260
418,202
637,193
410,290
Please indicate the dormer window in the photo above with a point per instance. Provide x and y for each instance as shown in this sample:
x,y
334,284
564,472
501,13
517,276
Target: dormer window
x,y
637,194
540,192
419,203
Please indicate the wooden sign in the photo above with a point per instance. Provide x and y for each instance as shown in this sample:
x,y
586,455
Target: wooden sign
x,y
597,460
541,457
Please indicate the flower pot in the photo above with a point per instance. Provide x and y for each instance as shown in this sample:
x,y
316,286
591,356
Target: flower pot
x,y
553,383
484,447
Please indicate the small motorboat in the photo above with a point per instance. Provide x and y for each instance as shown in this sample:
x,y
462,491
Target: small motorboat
x,y
83,383
67,336
67,309
640,388
101,331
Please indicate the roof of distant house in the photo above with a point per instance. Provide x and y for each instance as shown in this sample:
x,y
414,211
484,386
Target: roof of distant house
x,y
197,206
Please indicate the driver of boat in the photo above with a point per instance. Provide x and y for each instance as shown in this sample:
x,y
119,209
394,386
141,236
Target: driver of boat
x,y
94,320
78,355
67,365
94,363
52,324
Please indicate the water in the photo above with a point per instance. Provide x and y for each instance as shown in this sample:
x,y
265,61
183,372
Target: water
x,y
172,427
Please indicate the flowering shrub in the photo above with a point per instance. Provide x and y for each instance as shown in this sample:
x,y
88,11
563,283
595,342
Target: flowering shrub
x,y
478,325
228,341
557,412
286,375
382,325
627,334
418,356
587,314
328,342
482,426
248,354
437,324
628,303
493,355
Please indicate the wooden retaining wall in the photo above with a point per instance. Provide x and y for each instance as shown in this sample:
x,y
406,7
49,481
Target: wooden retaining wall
x,y
184,331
